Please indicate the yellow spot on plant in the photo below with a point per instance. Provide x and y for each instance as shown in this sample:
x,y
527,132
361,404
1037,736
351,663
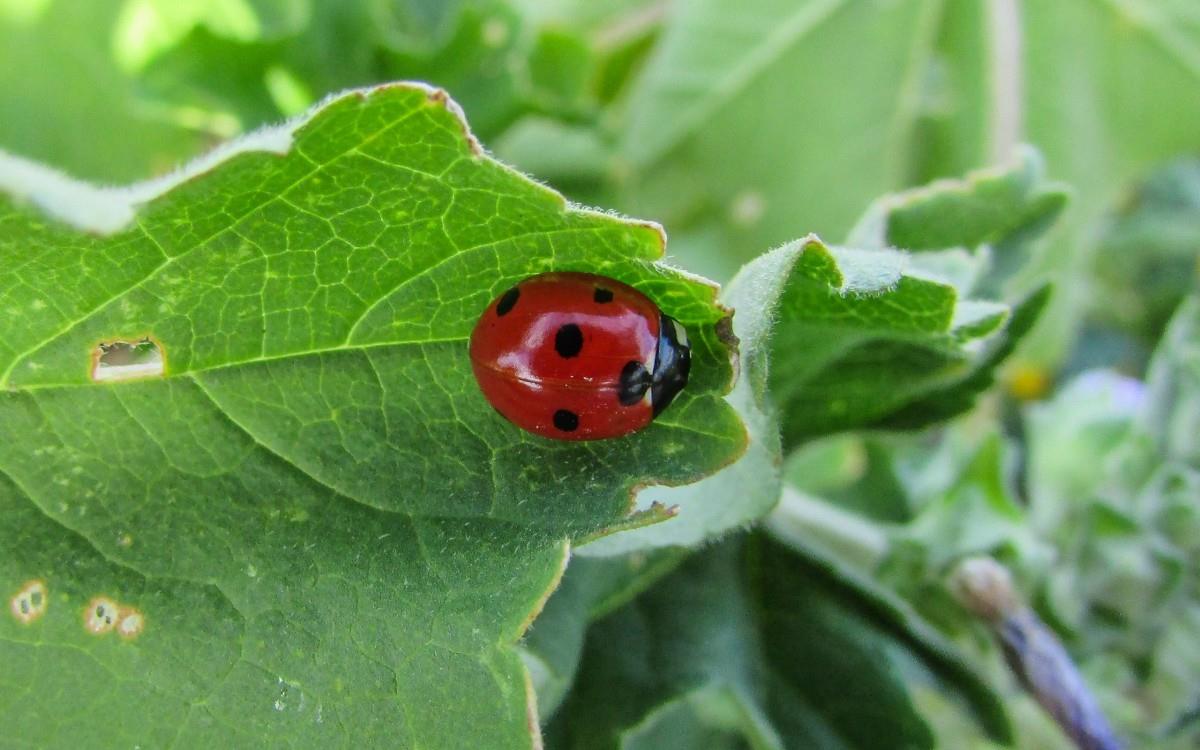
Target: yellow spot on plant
x,y
30,602
1028,382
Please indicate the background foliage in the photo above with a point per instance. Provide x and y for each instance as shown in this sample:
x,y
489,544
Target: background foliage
x,y
935,361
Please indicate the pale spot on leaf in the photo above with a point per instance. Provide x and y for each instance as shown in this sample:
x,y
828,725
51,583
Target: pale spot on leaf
x,y
30,602
100,615
130,623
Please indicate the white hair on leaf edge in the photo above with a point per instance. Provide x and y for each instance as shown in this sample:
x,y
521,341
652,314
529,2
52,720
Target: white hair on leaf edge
x,y
109,209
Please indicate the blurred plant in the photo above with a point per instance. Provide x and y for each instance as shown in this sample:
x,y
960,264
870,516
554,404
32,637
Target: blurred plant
x,y
1147,259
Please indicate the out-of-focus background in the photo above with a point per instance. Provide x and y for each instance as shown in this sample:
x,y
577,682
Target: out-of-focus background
x,y
740,126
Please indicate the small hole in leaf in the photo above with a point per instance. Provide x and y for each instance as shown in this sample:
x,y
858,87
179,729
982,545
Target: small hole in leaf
x,y
127,360
30,602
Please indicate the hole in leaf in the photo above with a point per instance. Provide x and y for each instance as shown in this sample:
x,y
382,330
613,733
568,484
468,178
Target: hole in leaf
x,y
30,602
127,360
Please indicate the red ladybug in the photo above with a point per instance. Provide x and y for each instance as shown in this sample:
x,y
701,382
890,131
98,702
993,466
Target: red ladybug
x,y
575,356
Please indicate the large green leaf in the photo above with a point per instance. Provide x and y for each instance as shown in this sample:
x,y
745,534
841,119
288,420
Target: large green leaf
x,y
756,646
326,532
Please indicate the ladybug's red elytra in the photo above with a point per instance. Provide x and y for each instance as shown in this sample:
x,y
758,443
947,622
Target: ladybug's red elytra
x,y
575,356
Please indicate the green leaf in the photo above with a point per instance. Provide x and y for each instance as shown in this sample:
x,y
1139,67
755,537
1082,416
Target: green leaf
x,y
1173,420
327,533
845,339
591,588
857,340
750,647
987,207
996,213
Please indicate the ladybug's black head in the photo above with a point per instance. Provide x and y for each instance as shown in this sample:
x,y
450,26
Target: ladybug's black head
x,y
671,365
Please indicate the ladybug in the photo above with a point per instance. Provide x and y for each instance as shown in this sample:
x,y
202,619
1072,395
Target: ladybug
x,y
575,356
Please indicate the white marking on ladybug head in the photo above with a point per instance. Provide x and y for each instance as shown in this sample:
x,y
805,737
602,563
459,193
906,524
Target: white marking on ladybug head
x,y
680,333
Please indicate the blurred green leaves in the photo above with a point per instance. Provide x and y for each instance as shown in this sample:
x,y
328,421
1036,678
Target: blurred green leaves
x,y
757,645
1147,260
68,103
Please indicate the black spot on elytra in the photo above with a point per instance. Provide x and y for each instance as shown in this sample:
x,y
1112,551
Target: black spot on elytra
x,y
568,342
602,295
508,301
567,421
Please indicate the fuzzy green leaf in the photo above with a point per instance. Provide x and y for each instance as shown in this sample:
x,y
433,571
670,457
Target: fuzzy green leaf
x,y
326,532
857,339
